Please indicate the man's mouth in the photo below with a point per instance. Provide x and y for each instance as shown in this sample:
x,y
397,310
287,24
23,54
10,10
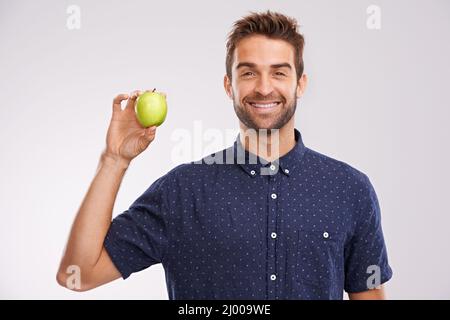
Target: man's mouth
x,y
265,104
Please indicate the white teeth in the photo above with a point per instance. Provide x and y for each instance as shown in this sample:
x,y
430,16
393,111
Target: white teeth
x,y
265,105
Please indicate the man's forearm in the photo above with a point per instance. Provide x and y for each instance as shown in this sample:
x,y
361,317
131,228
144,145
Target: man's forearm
x,y
94,215
373,294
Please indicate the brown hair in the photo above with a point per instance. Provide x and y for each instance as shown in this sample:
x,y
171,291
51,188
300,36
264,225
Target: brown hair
x,y
272,25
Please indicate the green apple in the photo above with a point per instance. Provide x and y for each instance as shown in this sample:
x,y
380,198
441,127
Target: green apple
x,y
151,108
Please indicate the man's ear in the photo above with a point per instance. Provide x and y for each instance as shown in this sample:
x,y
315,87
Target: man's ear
x,y
227,86
301,85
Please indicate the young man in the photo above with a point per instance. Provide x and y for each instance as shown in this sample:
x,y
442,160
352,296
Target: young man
x,y
294,224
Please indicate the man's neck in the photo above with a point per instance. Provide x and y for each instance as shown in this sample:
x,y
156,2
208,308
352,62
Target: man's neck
x,y
270,146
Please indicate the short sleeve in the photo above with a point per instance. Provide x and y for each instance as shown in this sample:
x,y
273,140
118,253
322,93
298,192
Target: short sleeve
x,y
366,259
137,238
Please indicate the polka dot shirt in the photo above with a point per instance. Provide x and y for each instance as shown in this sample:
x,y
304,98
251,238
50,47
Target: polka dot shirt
x,y
233,226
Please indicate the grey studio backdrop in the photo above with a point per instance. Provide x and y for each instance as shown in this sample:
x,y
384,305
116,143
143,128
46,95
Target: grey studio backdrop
x,y
377,99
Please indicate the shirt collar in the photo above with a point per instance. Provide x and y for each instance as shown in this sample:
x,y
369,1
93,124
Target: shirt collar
x,y
254,165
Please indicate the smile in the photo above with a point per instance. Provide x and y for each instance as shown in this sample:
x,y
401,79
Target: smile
x,y
264,105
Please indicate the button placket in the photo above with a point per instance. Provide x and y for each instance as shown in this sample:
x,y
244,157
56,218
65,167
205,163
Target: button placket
x,y
272,242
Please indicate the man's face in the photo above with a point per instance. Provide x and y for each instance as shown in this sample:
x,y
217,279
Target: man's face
x,y
264,88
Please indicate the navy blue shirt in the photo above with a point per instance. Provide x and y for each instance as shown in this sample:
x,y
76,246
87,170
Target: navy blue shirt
x,y
232,230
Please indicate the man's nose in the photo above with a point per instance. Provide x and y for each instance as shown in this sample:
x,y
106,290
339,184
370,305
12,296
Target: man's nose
x,y
264,86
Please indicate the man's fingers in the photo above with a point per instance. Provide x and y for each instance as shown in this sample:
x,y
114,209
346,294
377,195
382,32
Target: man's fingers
x,y
150,132
117,101
132,100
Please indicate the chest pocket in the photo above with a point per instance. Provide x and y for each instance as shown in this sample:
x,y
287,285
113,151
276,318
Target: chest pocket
x,y
320,257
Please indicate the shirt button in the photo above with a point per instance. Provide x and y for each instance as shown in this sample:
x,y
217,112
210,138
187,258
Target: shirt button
x,y
273,195
272,167
252,172
326,235
273,277
286,170
273,235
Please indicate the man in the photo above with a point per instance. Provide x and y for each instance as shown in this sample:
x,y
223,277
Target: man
x,y
294,224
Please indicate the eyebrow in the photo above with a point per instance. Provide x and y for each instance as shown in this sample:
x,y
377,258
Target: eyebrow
x,y
273,66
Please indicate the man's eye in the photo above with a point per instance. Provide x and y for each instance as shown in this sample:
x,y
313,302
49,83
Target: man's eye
x,y
250,73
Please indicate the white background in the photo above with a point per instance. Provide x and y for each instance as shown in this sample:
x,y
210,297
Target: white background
x,y
377,99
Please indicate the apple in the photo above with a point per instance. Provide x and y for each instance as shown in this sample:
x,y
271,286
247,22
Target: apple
x,y
151,108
